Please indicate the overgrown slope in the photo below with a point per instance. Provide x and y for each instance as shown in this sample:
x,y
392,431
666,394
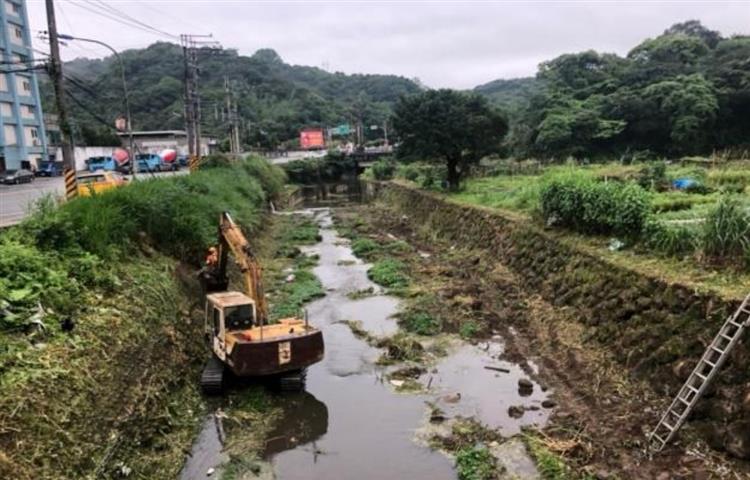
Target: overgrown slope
x,y
99,343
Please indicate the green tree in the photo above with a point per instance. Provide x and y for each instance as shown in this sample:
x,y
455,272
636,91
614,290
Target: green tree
x,y
690,105
448,126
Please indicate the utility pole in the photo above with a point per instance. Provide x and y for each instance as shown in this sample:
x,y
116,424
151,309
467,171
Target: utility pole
x,y
56,74
190,50
232,118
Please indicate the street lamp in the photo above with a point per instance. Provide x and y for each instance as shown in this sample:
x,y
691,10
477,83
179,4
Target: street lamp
x,y
133,163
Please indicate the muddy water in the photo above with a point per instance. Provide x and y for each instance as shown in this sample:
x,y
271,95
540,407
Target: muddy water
x,y
350,423
370,429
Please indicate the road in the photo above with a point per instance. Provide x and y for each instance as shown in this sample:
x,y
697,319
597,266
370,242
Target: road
x,y
16,201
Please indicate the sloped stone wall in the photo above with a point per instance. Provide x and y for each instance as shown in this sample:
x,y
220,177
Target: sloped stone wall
x,y
656,329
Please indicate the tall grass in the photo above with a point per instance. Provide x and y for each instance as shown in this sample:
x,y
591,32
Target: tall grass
x,y
177,215
726,231
60,250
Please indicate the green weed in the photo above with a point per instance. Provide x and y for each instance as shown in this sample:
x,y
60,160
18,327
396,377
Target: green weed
x,y
421,323
469,329
551,466
475,463
389,273
364,247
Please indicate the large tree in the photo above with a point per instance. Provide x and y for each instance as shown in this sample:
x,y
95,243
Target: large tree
x,y
448,126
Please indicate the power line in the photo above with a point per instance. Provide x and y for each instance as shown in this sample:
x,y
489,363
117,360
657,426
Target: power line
x,y
108,13
86,109
135,20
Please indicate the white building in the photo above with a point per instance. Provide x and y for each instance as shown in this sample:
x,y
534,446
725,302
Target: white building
x,y
157,140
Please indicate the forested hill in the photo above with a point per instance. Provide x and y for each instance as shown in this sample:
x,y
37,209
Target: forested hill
x,y
684,92
275,99
510,95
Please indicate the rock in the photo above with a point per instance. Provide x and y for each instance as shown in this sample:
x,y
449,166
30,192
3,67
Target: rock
x,y
210,472
602,474
549,403
516,411
455,398
738,439
664,476
525,384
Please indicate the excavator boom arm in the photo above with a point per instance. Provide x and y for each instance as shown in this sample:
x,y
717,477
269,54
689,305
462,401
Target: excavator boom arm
x,y
231,239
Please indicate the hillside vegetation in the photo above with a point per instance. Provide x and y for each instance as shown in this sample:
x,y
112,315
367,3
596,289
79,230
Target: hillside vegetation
x,y
274,99
684,92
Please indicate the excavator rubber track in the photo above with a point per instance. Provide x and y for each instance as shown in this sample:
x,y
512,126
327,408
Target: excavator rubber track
x,y
212,378
293,381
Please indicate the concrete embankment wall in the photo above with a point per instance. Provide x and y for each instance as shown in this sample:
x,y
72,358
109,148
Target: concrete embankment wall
x,y
656,329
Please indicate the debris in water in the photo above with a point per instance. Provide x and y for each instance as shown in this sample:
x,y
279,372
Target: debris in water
x,y
497,369
452,398
210,472
397,383
516,411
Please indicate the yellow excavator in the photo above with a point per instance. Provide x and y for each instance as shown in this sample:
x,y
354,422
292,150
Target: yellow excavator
x,y
241,338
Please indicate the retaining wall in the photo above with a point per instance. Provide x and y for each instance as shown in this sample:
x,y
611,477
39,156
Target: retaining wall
x,y
656,329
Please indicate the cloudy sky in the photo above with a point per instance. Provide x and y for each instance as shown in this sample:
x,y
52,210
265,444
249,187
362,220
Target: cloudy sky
x,y
445,44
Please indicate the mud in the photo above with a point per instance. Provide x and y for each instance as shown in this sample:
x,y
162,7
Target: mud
x,y
351,422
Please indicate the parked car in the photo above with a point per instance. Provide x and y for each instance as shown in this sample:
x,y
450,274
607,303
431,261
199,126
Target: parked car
x,y
98,182
183,160
169,166
21,175
148,162
49,169
100,163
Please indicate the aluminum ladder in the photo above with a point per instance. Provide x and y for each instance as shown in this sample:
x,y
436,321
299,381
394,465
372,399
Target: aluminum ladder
x,y
707,368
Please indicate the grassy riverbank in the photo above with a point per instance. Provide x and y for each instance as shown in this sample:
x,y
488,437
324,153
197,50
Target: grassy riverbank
x,y
100,342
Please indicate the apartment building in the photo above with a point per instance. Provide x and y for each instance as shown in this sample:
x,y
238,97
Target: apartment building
x,y
22,136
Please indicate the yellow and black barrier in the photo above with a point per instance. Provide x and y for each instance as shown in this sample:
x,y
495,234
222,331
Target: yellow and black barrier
x,y
195,162
71,183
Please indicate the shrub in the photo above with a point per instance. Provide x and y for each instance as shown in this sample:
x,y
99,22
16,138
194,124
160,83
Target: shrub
x,y
581,203
421,323
674,240
654,176
383,169
271,178
726,231
409,172
215,160
362,247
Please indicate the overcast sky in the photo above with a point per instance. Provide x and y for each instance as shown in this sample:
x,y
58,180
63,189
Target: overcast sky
x,y
445,44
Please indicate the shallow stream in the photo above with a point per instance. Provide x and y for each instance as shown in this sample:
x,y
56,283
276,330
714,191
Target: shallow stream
x,y
350,423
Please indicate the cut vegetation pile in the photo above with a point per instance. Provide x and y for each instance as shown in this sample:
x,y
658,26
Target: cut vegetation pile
x,y
98,342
